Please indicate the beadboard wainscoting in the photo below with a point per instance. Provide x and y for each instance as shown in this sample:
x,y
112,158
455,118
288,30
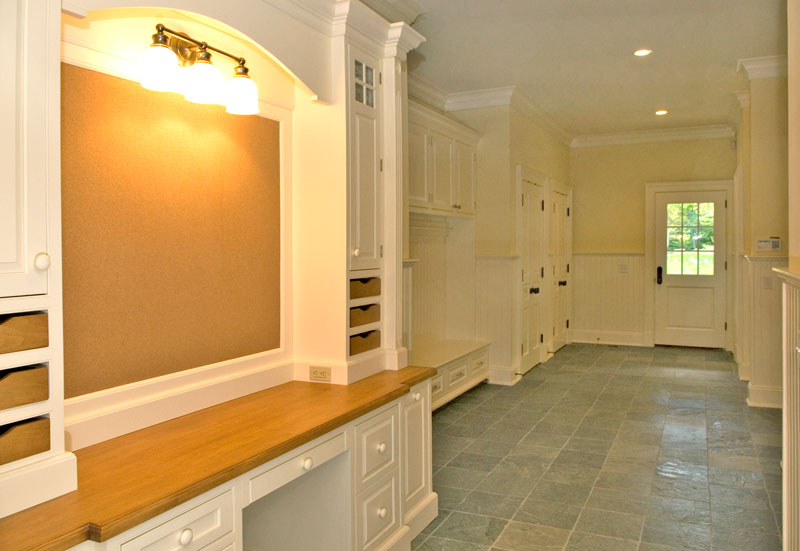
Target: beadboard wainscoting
x,y
497,282
791,410
744,325
608,303
762,330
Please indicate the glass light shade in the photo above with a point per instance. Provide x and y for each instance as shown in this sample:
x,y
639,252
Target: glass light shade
x,y
242,96
203,83
159,69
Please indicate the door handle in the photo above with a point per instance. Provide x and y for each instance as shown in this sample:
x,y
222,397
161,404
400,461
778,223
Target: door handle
x,y
659,276
562,283
534,290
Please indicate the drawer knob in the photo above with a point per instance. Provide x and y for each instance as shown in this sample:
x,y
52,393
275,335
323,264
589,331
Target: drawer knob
x,y
185,537
356,251
382,512
308,464
382,447
417,396
41,261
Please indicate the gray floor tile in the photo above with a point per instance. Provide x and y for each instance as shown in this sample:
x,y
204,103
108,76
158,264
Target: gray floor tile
x,y
679,510
465,479
490,505
441,544
580,541
610,523
667,532
725,540
470,528
548,513
474,461
520,536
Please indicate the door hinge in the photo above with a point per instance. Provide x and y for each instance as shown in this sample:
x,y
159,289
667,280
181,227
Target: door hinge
x,y
567,268
381,251
380,78
522,349
726,326
567,211
381,164
726,264
542,204
567,324
523,199
542,272
726,203
541,337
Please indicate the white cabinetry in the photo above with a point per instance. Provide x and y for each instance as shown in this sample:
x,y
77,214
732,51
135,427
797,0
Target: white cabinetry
x,y
416,461
441,162
28,146
364,162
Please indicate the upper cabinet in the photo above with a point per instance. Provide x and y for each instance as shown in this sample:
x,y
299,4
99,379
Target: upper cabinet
x,y
442,162
29,107
365,162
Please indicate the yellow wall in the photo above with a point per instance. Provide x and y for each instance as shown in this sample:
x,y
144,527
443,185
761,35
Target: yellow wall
x,y
609,186
794,135
534,147
768,196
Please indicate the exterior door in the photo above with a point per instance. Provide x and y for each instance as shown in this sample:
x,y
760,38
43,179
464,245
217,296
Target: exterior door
x,y
532,330
690,307
560,259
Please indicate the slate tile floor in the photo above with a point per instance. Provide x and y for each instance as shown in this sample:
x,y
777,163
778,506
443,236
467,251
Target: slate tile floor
x,y
609,449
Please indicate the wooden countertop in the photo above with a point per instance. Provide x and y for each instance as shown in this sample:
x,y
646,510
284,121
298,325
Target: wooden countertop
x,y
127,480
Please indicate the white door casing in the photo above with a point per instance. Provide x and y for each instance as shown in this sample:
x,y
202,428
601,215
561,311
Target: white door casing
x,y
559,250
687,226
532,249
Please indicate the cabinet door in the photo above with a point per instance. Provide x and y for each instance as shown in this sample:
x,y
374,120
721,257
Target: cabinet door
x,y
28,144
416,437
418,166
465,178
364,174
441,156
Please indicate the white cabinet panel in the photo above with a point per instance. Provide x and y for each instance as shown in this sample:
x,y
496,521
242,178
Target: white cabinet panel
x,y
418,166
441,151
464,188
416,439
28,146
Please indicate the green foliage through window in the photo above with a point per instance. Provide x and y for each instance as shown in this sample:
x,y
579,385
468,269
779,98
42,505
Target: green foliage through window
x,y
690,239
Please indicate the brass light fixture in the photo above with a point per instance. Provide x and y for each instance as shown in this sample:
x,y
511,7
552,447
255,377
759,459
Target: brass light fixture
x,y
176,62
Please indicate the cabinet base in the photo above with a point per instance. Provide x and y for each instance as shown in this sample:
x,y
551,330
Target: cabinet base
x,y
38,482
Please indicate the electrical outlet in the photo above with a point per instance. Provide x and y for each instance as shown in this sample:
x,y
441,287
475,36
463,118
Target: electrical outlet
x,y
317,373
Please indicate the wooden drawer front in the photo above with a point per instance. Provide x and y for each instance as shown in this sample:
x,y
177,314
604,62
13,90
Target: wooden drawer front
x,y
366,287
193,530
23,385
362,315
282,474
376,446
479,366
376,514
24,438
437,387
364,342
23,331
457,374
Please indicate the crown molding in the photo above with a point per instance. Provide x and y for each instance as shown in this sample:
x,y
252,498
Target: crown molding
x,y
396,10
426,91
744,98
659,135
765,67
507,95
401,40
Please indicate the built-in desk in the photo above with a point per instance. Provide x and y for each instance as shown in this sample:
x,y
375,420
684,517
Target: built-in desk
x,y
213,458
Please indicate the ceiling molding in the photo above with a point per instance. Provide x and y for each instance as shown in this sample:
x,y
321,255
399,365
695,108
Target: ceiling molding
x,y
396,10
765,67
660,135
507,95
744,98
401,40
425,91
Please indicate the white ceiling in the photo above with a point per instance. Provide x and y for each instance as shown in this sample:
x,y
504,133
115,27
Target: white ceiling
x,y
574,58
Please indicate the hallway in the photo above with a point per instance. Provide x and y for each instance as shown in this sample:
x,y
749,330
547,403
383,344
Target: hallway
x,y
608,448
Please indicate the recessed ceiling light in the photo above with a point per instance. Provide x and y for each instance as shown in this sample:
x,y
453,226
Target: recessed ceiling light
x,y
643,52
661,112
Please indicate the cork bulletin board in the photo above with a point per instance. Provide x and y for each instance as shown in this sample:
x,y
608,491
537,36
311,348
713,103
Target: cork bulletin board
x,y
171,232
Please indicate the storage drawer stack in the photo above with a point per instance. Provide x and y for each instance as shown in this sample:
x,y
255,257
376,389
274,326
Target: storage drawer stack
x,y
24,387
365,315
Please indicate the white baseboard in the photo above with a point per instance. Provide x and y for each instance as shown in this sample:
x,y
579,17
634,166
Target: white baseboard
x,y
745,371
38,482
106,414
598,336
422,514
764,396
503,375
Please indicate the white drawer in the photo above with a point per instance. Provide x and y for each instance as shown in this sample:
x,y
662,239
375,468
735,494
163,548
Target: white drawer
x,y
195,530
376,446
272,479
457,374
437,387
478,365
376,514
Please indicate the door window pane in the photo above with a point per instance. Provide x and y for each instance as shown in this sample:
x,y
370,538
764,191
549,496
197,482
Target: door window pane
x,y
690,228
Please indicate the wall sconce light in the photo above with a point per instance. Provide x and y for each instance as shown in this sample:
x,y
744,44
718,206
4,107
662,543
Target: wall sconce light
x,y
176,62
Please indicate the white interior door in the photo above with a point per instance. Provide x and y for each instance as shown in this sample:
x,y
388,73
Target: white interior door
x,y
690,297
559,257
532,330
